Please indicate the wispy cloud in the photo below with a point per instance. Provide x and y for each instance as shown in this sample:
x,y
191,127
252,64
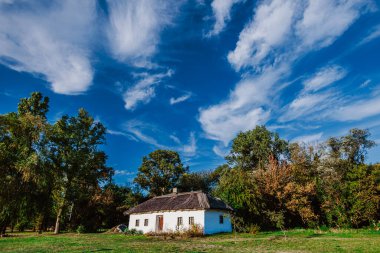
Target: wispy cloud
x,y
50,40
374,34
190,148
365,83
135,26
268,29
309,139
158,138
222,14
124,173
279,34
220,150
179,99
324,77
357,110
307,104
144,90
244,108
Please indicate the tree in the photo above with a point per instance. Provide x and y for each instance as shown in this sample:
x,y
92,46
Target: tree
x,y
251,150
22,135
79,164
160,172
352,147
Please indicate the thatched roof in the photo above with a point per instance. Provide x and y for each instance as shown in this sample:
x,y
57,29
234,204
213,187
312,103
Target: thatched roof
x,y
180,201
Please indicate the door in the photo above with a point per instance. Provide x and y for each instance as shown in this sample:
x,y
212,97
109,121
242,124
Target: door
x,y
159,223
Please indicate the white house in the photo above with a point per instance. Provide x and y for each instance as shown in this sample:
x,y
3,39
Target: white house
x,y
179,211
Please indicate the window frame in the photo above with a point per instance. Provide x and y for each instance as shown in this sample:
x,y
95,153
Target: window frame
x,y
137,223
146,222
179,221
191,220
221,219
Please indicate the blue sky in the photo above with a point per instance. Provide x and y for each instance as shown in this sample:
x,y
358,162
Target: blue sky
x,y
189,75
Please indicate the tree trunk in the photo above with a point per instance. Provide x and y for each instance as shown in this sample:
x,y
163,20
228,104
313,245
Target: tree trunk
x,y
58,221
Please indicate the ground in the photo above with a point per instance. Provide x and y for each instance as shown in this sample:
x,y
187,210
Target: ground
x,y
294,241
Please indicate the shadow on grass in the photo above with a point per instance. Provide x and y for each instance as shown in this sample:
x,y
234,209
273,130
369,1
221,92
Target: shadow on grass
x,y
314,235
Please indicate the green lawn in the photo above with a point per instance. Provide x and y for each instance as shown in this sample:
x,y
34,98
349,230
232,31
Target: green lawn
x,y
295,241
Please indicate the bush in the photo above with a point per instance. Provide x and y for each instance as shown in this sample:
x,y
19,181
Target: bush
x,y
132,231
254,229
194,231
81,229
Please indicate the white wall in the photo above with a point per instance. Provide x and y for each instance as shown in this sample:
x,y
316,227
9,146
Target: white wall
x,y
208,219
170,220
212,222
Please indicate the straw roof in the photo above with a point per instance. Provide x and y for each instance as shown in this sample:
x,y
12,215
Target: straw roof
x,y
180,201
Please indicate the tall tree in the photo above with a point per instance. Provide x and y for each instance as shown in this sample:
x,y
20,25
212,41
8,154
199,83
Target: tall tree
x,y
79,163
252,149
160,172
22,135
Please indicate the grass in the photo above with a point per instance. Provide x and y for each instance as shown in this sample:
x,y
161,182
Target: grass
x,y
295,241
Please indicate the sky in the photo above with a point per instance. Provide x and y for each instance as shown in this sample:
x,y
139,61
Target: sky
x,y
189,75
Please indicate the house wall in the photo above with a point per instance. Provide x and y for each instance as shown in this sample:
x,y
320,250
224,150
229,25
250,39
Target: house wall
x,y
212,222
170,220
208,220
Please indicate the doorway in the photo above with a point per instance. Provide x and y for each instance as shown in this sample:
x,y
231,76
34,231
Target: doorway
x,y
159,223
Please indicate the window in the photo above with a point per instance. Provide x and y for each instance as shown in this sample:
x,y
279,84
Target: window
x,y
137,223
146,222
179,221
221,221
191,220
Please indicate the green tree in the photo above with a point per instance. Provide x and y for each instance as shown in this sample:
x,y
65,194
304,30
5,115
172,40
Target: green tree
x,y
22,168
79,164
160,172
252,149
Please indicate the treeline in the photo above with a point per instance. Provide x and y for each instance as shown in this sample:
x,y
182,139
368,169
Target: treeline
x,y
274,184
54,176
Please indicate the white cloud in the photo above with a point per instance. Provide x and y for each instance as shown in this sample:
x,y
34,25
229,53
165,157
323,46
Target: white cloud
x,y
308,139
179,99
269,28
279,34
157,137
325,20
307,104
222,14
144,90
124,173
138,129
357,110
135,26
324,77
50,40
220,151
365,83
244,108
374,34
190,149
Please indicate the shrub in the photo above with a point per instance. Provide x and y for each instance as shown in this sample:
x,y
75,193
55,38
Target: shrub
x,y
132,231
81,229
253,229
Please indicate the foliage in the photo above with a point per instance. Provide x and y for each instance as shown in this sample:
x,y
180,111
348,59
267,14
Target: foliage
x,y
160,172
315,185
252,149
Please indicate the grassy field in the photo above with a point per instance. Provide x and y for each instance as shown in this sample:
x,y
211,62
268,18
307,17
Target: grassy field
x,y
295,241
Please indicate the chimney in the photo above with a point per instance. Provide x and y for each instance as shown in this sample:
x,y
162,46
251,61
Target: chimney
x,y
175,190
